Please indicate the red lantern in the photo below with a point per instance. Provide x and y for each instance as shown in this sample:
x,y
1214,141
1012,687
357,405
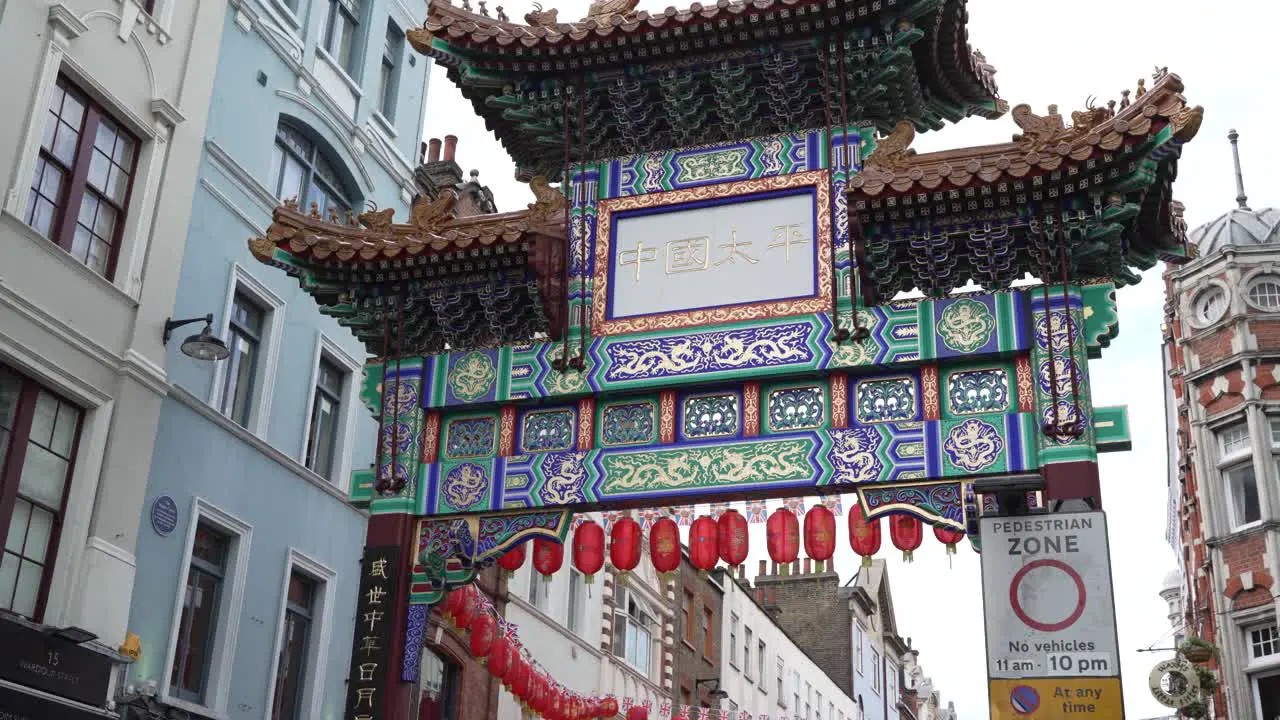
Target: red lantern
x,y
453,604
864,534
468,608
624,544
548,556
483,630
512,559
500,657
664,546
948,537
640,712
588,550
731,538
820,533
907,532
703,550
782,533
610,706
520,680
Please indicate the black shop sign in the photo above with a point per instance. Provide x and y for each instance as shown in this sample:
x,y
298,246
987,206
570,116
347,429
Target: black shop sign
x,y
38,660
370,654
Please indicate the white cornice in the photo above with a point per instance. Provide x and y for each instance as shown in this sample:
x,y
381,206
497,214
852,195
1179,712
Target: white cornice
x,y
166,112
243,179
64,22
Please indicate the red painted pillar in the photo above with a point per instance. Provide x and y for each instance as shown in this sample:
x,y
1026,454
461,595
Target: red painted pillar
x,y
396,529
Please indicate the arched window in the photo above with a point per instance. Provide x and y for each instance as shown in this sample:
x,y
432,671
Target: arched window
x,y
437,687
301,169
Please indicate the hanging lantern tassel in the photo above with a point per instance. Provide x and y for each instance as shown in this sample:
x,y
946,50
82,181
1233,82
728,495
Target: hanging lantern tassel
x,y
948,537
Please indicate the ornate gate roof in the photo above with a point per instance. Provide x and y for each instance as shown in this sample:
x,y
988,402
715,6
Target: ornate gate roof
x,y
706,74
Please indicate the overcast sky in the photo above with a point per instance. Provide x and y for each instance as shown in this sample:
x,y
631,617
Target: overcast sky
x,y
1054,53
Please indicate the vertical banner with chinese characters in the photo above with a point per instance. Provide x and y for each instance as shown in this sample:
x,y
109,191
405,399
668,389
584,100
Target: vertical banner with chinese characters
x,y
370,659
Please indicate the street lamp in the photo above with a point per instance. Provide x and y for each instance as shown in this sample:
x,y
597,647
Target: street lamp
x,y
201,347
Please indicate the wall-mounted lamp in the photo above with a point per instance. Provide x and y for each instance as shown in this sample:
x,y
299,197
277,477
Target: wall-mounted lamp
x,y
715,693
201,347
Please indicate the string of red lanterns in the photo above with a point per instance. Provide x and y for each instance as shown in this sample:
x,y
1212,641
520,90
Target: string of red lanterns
x,y
495,643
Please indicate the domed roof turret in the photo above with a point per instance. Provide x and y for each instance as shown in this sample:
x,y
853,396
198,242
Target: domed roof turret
x,y
1241,226
1172,580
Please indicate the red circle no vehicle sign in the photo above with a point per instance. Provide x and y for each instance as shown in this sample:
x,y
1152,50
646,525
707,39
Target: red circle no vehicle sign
x,y
1037,624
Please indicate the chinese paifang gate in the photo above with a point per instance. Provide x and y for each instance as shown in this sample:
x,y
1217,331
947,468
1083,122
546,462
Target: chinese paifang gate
x,y
709,313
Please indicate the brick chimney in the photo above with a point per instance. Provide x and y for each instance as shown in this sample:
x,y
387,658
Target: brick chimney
x,y
450,146
433,152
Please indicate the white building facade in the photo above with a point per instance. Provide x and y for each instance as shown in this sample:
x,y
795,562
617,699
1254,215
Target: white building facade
x,y
606,637
764,672
100,140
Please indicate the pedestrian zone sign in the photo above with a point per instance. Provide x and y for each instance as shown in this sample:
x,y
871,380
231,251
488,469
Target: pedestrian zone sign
x,y
1052,652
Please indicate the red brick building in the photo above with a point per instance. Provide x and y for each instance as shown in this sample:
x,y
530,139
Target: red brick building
x,y
453,685
1222,356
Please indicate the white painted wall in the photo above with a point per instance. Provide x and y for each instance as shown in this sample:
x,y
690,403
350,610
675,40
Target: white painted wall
x,y
579,658
98,342
759,694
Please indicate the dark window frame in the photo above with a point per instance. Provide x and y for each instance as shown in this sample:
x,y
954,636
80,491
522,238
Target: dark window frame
x,y
333,395
75,186
304,615
11,473
349,12
236,331
210,641
318,169
389,70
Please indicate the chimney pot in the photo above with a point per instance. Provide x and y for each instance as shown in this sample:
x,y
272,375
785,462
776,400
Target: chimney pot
x,y
433,150
742,572
450,146
795,566
808,566
764,567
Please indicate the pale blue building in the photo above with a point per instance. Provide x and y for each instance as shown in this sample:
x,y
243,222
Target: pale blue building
x,y
248,553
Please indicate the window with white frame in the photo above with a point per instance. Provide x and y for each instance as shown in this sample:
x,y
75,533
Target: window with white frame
x,y
539,587
808,701
301,643
1264,641
633,621
733,640
875,671
782,674
295,641
573,609
302,170
892,686
747,670
1209,306
389,72
857,649
1264,293
244,340
326,418
818,704
204,628
243,383
760,657
339,35
795,690
1236,465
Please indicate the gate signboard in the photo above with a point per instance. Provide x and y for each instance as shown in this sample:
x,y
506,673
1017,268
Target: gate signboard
x,y
1052,652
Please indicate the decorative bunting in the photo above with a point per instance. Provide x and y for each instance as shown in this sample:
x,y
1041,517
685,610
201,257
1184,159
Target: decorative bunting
x,y
795,505
834,504
756,512
684,515
718,509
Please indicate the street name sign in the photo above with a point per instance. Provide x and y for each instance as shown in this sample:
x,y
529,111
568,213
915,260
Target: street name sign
x,y
1052,652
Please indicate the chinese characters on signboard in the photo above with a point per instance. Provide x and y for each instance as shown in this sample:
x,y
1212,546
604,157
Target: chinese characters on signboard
x,y
741,251
370,650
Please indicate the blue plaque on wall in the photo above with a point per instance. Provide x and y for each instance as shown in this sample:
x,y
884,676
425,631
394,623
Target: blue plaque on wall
x,y
164,515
